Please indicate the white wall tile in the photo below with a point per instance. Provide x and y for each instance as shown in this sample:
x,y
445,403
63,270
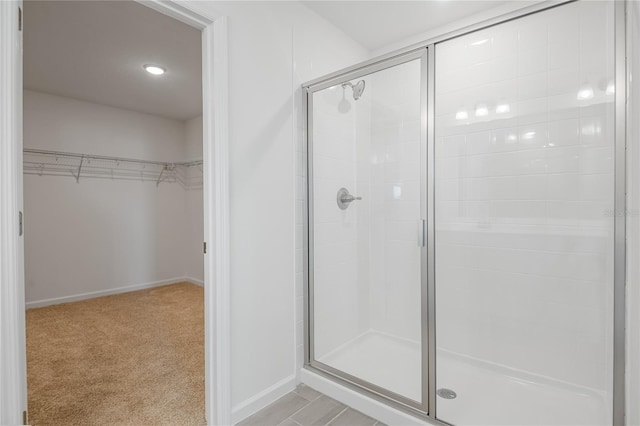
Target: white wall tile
x,y
564,133
367,256
505,40
532,61
524,259
532,86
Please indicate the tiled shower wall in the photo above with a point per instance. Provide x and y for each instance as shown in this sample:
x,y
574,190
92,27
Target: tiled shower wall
x,y
339,131
367,258
524,194
394,163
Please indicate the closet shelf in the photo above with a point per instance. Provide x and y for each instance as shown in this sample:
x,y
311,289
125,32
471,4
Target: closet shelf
x,y
56,163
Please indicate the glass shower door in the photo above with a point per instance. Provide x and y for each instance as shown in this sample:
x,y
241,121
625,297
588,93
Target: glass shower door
x,y
524,164
366,156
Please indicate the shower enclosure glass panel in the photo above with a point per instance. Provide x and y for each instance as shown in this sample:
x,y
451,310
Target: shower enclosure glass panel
x,y
524,220
365,211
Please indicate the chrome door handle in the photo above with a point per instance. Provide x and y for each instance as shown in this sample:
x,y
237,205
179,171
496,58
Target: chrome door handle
x,y
343,198
421,232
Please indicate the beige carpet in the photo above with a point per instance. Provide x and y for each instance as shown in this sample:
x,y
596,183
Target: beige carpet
x,y
129,359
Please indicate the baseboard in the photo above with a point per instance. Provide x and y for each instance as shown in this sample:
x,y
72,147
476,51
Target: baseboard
x,y
369,406
194,281
100,293
264,398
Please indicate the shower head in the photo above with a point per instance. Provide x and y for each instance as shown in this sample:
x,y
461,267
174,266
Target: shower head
x,y
357,88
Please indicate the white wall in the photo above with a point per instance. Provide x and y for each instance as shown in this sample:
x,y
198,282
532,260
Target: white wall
x,y
97,235
58,123
273,48
633,215
193,255
396,195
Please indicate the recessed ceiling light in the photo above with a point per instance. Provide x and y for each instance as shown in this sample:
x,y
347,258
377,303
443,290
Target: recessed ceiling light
x,y
154,69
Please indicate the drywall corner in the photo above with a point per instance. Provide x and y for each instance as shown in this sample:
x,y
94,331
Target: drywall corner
x,y
262,399
633,216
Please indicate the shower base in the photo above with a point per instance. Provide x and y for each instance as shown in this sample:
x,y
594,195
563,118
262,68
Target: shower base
x,y
486,394
494,395
387,361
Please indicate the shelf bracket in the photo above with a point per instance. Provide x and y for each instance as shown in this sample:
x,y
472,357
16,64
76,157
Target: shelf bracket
x,y
77,175
161,173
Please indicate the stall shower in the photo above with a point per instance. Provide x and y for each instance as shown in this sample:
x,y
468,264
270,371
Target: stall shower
x,y
461,244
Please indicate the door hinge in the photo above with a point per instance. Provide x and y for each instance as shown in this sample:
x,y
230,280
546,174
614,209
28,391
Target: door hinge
x,y
20,226
19,19
24,418
205,247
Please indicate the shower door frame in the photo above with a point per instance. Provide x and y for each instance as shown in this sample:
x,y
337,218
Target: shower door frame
x,y
417,408
426,50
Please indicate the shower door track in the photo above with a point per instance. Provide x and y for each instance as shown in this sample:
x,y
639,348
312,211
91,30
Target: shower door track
x,y
426,50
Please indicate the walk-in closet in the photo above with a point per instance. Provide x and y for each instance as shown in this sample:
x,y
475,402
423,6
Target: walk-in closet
x,y
113,215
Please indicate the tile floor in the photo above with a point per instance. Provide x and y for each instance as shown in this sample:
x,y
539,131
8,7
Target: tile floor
x,y
307,407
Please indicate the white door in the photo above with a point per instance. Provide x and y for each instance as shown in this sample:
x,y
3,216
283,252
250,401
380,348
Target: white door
x,y
13,381
22,348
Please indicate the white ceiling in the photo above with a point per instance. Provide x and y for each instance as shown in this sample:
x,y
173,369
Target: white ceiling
x,y
95,50
377,24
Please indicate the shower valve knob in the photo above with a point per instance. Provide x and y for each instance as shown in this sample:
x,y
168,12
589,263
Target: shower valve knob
x,y
344,198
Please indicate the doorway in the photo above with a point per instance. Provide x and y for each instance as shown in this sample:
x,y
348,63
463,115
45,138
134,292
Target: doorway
x,y
106,171
215,200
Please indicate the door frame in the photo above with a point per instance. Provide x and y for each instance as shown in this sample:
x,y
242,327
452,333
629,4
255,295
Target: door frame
x,y
13,377
13,383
